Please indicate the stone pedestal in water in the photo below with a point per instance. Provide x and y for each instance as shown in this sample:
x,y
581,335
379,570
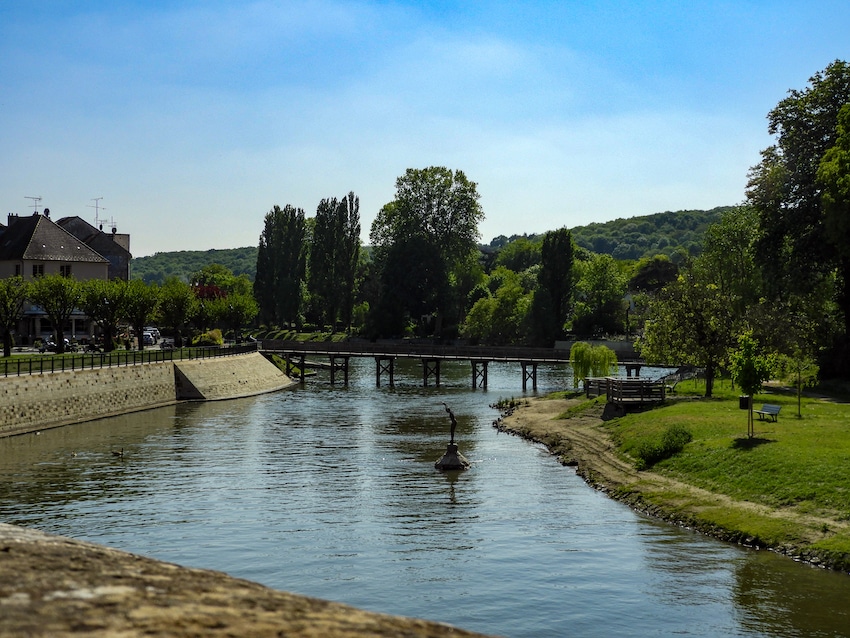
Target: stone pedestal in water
x,y
452,459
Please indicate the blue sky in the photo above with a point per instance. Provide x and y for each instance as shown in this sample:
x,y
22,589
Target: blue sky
x,y
192,119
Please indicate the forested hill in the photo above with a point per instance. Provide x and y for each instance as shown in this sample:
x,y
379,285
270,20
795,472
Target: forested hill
x,y
635,237
625,238
183,263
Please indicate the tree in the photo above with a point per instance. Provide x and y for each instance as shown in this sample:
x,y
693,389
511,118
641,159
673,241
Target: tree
x,y
795,247
348,254
600,290
436,214
801,371
141,306
652,274
520,254
750,368
588,360
690,322
58,296
281,265
13,293
500,318
833,177
322,281
105,302
556,278
176,304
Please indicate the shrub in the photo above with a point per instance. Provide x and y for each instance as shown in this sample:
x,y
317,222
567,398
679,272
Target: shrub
x,y
674,439
211,338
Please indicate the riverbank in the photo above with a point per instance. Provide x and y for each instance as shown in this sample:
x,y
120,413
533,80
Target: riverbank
x,y
55,586
33,402
596,439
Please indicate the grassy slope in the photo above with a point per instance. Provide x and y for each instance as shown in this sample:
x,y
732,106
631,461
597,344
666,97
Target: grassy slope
x,y
798,468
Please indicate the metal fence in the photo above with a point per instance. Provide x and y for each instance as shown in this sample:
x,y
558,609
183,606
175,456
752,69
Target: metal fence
x,y
17,366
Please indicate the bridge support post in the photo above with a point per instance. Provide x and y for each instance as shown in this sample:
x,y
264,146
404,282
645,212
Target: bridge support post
x,y
430,367
335,365
384,364
529,374
302,367
479,376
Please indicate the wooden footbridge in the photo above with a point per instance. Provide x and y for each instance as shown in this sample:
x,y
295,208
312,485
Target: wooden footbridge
x,y
296,353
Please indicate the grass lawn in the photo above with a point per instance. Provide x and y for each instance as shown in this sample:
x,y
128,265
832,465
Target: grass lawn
x,y
798,466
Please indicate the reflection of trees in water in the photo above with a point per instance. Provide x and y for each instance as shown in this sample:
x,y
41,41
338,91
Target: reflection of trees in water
x,y
778,596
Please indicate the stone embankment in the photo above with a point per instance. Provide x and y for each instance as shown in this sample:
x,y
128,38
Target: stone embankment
x,y
52,399
58,587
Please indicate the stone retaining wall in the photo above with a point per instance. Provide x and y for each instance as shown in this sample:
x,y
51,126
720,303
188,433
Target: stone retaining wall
x,y
38,401
52,399
228,377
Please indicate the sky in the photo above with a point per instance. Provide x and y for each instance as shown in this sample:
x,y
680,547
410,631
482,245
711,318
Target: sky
x,y
184,122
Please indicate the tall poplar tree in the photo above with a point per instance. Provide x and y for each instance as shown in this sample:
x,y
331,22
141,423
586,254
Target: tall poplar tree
x,y
281,265
554,297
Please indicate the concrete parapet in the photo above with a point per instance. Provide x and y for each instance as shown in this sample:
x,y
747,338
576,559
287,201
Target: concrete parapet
x,y
58,587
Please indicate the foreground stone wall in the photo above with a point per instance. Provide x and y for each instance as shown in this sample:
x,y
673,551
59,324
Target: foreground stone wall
x,y
56,586
38,401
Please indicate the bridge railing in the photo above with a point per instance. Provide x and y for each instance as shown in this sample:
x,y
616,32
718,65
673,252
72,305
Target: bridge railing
x,y
417,350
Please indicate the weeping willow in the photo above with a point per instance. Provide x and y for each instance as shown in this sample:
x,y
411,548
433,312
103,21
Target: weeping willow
x,y
591,361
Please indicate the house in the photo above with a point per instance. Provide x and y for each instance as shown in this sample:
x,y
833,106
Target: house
x,y
114,246
31,246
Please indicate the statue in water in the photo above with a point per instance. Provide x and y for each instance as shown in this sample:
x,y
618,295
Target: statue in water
x,y
454,423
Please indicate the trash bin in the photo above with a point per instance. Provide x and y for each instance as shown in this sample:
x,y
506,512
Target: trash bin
x,y
743,402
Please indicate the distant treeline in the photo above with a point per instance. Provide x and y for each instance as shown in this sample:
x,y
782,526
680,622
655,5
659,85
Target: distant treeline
x,y
673,234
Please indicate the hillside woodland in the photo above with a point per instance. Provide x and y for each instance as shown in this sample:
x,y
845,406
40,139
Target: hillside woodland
x,y
676,234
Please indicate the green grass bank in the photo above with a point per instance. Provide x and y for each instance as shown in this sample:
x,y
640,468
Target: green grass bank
x,y
787,488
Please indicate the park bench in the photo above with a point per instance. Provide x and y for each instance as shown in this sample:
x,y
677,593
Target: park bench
x,y
768,411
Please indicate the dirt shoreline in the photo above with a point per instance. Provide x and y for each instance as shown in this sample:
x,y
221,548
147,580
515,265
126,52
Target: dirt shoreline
x,y
578,438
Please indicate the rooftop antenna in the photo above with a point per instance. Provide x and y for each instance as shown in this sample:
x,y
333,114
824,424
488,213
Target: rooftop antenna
x,y
98,220
35,201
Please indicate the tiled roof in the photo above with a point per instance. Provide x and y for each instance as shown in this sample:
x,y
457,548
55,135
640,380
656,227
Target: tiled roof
x,y
39,239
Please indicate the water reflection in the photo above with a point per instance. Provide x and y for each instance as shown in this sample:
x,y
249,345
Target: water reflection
x,y
332,492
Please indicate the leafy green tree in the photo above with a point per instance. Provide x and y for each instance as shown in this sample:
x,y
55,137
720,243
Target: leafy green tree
x,y
105,303
750,368
500,318
281,265
322,280
651,274
435,215
796,249
141,306
600,290
13,293
58,296
834,178
348,254
218,277
176,306
520,254
588,360
556,278
690,322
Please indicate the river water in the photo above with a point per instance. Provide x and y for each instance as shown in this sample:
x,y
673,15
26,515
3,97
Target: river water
x,y
331,492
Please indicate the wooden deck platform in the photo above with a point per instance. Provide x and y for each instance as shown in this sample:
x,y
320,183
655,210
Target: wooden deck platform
x,y
626,391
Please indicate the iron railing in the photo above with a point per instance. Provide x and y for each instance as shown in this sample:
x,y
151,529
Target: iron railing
x,y
18,366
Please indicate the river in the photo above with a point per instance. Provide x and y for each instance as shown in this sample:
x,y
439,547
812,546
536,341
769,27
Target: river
x,y
331,491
